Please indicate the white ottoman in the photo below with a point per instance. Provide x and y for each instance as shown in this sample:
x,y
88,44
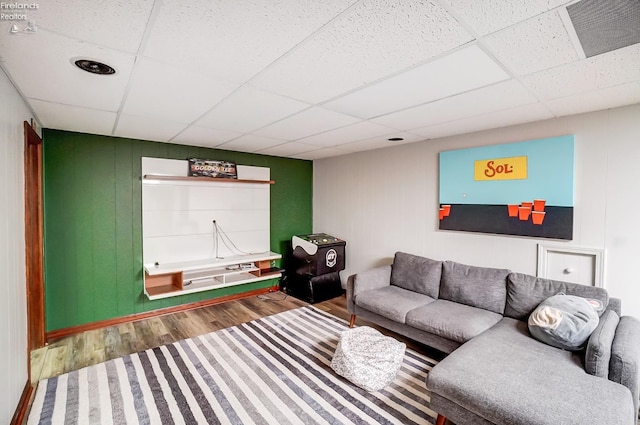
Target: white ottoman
x,y
367,358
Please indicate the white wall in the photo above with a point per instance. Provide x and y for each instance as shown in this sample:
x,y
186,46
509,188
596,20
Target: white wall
x,y
13,326
386,200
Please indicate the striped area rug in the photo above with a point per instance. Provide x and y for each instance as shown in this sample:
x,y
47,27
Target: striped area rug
x,y
275,370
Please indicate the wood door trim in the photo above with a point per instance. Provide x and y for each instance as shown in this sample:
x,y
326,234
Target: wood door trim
x,y
23,405
34,238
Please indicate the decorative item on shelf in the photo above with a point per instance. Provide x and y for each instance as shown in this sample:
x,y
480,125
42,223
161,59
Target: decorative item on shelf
x,y
212,168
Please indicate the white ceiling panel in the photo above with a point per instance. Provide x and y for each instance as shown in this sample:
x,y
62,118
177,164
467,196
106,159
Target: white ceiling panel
x,y
251,143
73,118
289,149
248,109
204,136
321,153
116,24
41,65
381,142
485,17
534,45
598,72
351,133
492,98
145,128
437,79
374,39
503,118
235,39
596,100
306,123
156,88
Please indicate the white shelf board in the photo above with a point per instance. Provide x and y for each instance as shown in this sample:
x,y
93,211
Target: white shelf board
x,y
208,263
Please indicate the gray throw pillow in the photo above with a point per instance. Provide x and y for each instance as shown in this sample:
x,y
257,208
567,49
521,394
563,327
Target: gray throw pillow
x,y
481,287
598,354
563,321
417,274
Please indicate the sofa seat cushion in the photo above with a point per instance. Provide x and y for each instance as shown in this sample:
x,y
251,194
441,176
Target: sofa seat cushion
x,y
525,293
418,274
454,321
481,287
507,377
392,302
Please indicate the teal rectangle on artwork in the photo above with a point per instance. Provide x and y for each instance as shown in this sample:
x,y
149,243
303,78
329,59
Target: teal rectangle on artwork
x,y
550,176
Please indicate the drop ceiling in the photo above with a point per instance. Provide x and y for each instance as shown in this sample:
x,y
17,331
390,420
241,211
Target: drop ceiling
x,y
311,79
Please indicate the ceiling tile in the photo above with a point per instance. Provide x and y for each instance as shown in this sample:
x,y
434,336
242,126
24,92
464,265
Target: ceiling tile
x,y
381,142
372,40
41,65
611,97
235,39
321,153
534,45
203,136
73,118
251,143
497,119
351,133
492,98
306,123
288,149
157,88
146,128
598,72
489,16
248,109
463,70
116,24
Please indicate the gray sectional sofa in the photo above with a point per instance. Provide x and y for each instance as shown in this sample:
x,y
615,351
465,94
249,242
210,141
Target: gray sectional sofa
x,y
495,371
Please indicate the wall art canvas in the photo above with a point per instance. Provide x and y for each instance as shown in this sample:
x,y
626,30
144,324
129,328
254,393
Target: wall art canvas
x,y
523,188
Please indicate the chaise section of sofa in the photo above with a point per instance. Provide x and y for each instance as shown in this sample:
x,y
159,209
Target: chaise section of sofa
x,y
506,377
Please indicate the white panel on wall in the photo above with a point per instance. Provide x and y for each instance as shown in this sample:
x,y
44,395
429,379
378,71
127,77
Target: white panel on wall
x,y
13,304
178,216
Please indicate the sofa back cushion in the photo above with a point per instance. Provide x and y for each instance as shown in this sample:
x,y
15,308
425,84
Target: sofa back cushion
x,y
525,293
481,287
417,274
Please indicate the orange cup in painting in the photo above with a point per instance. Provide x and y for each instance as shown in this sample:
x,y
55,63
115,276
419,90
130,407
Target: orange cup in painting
x,y
441,211
513,210
527,204
537,217
447,210
538,204
523,213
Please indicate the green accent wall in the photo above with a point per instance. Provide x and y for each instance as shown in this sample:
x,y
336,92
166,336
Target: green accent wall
x,y
93,222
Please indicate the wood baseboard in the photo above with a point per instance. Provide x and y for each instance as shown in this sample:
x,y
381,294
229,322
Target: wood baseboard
x,y
60,333
23,405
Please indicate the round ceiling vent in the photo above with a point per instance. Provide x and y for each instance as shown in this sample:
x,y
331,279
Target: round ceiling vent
x,y
94,67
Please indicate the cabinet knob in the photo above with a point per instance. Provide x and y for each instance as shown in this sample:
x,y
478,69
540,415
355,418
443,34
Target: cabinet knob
x,y
569,270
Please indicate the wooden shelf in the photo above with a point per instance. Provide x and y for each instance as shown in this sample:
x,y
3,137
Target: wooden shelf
x,y
202,179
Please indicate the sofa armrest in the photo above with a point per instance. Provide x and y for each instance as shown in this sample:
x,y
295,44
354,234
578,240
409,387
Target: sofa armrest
x,y
366,281
615,304
624,366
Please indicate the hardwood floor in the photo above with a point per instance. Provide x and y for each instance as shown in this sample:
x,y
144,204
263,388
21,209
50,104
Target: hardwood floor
x,y
92,347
